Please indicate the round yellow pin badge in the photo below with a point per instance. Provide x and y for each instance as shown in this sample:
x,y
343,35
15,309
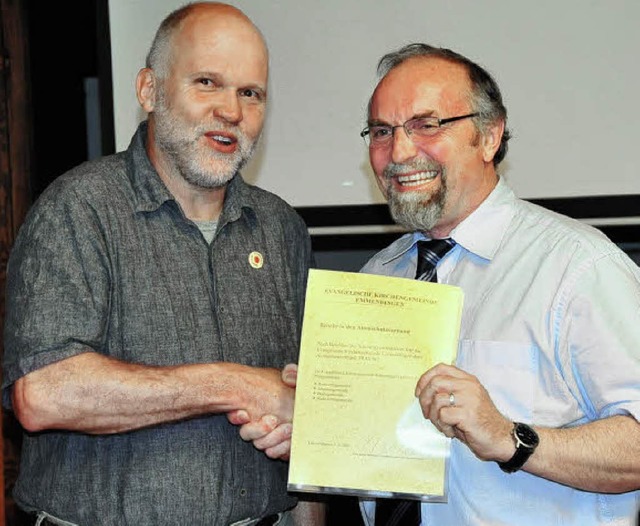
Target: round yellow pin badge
x,y
256,260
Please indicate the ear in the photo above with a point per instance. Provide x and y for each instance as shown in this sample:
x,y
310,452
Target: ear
x,y
146,85
491,139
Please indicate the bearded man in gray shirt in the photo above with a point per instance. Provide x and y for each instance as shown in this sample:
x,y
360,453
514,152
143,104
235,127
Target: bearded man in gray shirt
x,y
154,298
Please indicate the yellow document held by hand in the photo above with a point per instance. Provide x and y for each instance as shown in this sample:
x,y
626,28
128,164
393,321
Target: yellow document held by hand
x,y
357,427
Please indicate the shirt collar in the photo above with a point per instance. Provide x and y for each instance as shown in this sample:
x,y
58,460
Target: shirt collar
x,y
483,230
149,190
151,193
480,233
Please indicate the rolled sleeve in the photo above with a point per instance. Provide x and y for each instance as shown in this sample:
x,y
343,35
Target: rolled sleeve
x,y
57,287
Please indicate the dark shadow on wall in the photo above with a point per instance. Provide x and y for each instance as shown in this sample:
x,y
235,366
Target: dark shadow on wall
x,y
63,53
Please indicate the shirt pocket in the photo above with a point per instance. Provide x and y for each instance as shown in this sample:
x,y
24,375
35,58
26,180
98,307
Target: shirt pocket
x,y
507,370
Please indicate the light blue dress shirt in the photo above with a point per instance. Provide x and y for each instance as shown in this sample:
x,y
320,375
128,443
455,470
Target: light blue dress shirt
x,y
551,328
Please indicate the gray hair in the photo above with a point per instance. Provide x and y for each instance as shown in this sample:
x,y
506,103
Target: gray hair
x,y
485,94
157,57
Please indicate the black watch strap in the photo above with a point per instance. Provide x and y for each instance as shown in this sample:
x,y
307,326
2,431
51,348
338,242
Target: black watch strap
x,y
526,441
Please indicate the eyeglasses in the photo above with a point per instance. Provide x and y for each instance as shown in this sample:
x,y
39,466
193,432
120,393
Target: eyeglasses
x,y
381,135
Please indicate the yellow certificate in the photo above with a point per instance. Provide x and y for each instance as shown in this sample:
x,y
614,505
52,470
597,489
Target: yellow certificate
x,y
357,427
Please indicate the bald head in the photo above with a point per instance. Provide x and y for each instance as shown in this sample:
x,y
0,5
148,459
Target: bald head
x,y
200,19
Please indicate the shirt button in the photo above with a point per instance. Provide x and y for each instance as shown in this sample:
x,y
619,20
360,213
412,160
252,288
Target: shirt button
x,y
243,492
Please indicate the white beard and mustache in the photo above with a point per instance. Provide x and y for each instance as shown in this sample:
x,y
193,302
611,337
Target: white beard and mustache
x,y
419,210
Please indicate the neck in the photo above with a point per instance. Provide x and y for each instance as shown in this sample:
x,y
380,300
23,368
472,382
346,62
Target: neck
x,y
452,218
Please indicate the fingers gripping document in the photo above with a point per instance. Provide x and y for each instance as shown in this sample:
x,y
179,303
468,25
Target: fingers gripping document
x,y
358,428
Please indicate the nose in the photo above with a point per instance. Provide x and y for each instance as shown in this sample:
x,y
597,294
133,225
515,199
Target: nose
x,y
228,107
402,148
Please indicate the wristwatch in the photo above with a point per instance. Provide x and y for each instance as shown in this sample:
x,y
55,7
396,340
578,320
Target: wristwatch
x,y
526,440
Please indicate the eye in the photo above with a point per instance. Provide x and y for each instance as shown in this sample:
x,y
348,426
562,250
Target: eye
x,y
206,82
425,126
251,93
380,132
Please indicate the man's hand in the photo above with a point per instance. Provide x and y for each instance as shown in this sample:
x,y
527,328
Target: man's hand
x,y
269,433
459,406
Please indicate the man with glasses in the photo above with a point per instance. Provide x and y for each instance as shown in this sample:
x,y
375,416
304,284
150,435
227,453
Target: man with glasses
x,y
543,401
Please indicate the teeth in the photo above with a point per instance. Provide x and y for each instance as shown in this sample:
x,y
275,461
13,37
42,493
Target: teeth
x,y
417,179
222,139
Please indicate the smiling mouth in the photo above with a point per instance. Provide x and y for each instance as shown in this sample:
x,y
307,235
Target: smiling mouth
x,y
227,141
416,179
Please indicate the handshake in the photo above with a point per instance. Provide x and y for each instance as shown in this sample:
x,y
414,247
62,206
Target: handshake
x,y
267,420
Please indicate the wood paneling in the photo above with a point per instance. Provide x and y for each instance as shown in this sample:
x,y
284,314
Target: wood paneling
x,y
15,171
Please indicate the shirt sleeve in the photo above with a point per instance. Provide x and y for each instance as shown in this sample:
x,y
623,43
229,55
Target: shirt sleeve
x,y
598,323
57,297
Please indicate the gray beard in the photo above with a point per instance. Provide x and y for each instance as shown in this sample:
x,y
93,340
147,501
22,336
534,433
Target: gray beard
x,y
416,211
193,167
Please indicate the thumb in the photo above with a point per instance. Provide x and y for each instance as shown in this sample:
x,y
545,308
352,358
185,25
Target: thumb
x,y
238,417
290,374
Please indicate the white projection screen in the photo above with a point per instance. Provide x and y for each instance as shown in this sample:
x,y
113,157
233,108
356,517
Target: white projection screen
x,y
568,71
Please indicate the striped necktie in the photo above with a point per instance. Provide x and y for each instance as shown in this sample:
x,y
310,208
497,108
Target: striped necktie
x,y
429,254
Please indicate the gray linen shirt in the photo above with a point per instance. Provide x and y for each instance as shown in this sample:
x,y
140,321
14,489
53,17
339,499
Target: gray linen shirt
x,y
106,261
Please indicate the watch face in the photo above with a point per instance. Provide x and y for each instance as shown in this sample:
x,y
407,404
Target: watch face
x,y
527,436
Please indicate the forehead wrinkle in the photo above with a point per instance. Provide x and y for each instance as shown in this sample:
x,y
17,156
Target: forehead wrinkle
x,y
441,85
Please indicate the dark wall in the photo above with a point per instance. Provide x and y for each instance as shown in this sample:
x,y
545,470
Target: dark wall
x,y
63,51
